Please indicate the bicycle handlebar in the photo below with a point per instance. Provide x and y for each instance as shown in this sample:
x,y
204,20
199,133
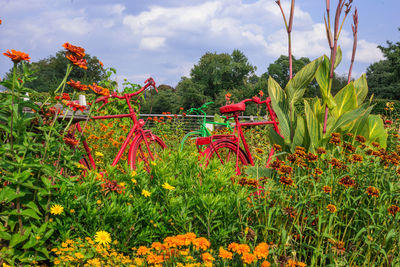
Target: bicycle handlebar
x,y
200,109
149,82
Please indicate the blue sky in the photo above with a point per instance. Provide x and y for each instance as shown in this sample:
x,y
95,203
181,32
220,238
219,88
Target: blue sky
x,y
165,38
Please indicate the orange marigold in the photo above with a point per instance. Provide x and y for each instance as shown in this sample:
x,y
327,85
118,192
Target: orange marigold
x,y
242,249
201,243
261,250
17,56
142,250
207,257
224,254
265,264
248,258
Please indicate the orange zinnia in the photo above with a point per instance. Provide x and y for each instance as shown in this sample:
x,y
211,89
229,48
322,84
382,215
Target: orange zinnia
x,y
17,56
77,85
81,63
99,90
78,51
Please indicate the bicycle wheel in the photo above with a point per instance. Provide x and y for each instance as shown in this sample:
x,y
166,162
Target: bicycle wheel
x,y
140,153
225,151
188,138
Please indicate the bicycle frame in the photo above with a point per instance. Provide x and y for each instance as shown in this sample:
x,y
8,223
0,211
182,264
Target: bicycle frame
x,y
203,131
136,130
238,134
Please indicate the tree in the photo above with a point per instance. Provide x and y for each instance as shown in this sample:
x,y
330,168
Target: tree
x,y
51,71
163,101
217,72
384,76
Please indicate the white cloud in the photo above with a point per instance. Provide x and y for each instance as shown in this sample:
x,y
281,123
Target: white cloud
x,y
368,52
152,43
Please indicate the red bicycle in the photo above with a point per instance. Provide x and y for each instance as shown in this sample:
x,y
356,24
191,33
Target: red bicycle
x,y
144,147
227,147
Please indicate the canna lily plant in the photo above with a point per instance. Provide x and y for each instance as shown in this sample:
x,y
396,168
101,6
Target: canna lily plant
x,y
346,112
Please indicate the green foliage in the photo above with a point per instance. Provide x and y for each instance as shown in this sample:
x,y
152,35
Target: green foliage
x,y
347,110
30,164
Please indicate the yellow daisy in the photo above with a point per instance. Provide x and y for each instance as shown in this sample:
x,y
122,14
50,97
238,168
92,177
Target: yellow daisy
x,y
102,237
56,209
99,154
146,193
168,186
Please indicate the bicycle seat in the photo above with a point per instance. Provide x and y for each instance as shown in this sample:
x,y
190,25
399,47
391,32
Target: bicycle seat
x,y
233,108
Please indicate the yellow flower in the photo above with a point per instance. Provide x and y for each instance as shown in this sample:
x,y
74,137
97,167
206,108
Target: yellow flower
x,y
98,202
99,154
122,184
80,166
168,186
133,173
102,237
56,209
72,211
38,237
146,193
134,181
79,255
153,163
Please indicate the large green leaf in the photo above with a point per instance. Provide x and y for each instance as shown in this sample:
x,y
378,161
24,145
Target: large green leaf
x,y
280,106
361,87
346,100
299,137
318,109
275,92
283,122
360,127
322,77
377,130
298,84
348,117
313,127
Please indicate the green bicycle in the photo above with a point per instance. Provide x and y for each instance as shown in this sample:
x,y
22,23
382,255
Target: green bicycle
x,y
203,131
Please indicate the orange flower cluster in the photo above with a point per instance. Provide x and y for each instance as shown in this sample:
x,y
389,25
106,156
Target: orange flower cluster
x,y
77,85
99,90
17,56
75,54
